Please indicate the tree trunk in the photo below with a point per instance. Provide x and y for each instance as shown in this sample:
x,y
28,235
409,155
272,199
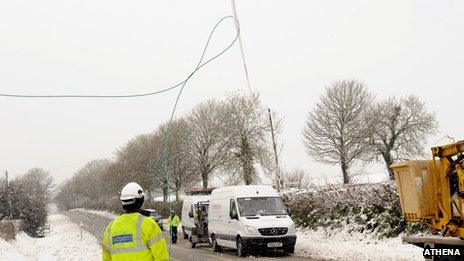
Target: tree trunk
x,y
247,161
165,193
388,162
204,177
247,172
346,177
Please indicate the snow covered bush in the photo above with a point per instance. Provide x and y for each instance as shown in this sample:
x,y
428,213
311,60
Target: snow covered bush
x,y
27,199
371,208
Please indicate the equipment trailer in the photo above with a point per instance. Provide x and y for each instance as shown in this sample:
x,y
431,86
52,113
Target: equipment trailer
x,y
432,191
200,231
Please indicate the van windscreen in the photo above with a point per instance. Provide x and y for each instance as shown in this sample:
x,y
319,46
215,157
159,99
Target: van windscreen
x,y
264,206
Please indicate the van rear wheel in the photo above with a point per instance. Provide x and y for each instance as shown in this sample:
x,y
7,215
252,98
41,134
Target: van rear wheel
x,y
216,247
192,244
241,248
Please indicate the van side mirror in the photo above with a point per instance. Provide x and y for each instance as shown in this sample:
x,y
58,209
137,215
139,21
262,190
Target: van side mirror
x,y
289,211
234,215
190,214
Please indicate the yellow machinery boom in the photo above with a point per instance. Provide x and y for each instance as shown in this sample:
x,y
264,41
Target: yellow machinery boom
x,y
433,190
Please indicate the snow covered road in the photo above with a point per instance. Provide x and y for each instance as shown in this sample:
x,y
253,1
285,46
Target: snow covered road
x,y
63,242
95,222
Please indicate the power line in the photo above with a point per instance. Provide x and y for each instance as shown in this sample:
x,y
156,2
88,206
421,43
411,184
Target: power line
x,y
135,95
168,133
182,84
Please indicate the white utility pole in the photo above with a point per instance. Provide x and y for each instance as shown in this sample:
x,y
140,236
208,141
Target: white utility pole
x,y
274,145
237,26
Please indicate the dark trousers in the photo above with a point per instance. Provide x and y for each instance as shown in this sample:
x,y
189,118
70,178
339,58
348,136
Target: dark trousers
x,y
174,235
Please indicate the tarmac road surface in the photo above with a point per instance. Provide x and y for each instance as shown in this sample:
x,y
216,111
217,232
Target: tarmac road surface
x,y
96,224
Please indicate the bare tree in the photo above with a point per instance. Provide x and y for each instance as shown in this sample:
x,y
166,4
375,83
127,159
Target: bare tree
x,y
142,160
88,187
401,128
249,128
135,158
40,180
180,169
209,140
157,163
337,129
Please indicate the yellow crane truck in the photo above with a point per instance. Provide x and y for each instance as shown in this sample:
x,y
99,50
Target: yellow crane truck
x,y
432,191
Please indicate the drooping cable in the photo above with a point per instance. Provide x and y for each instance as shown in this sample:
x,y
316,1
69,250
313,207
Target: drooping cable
x,y
182,84
168,132
135,95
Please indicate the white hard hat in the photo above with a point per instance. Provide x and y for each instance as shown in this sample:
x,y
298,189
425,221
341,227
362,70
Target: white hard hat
x,y
130,192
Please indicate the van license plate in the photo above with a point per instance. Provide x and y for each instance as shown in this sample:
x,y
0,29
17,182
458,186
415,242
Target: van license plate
x,y
274,244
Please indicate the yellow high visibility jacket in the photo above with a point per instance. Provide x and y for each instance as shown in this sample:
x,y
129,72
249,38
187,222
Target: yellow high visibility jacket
x,y
174,222
133,236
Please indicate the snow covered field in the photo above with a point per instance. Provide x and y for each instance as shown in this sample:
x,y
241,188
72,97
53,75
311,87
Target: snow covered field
x,y
340,245
63,242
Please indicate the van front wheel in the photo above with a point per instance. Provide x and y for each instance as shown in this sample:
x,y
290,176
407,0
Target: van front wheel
x,y
241,248
290,250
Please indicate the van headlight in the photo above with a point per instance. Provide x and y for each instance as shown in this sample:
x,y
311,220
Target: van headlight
x,y
251,230
291,229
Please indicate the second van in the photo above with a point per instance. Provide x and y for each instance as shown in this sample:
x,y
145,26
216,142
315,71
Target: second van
x,y
249,218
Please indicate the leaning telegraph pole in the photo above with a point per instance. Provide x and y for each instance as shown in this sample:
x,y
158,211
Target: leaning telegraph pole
x,y
247,76
274,145
237,26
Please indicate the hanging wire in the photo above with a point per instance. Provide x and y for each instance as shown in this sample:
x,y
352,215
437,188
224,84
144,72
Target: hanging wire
x,y
182,85
168,135
135,95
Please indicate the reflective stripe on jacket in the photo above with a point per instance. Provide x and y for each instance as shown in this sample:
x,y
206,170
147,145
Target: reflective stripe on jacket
x,y
174,222
134,237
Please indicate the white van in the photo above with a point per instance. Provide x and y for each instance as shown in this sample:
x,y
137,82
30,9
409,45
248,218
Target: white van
x,y
249,218
187,218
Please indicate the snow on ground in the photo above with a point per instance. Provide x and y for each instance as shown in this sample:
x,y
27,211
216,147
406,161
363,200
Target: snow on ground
x,y
63,242
8,251
341,245
101,213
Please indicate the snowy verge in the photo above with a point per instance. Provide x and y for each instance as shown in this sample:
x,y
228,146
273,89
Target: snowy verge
x,y
101,213
339,244
63,242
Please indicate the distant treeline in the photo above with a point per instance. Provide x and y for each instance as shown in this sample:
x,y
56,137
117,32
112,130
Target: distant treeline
x,y
228,138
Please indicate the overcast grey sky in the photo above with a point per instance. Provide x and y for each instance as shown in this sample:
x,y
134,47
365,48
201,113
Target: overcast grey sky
x,y
293,48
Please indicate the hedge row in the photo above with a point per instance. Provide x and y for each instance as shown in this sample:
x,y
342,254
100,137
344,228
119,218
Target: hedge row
x,y
373,208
